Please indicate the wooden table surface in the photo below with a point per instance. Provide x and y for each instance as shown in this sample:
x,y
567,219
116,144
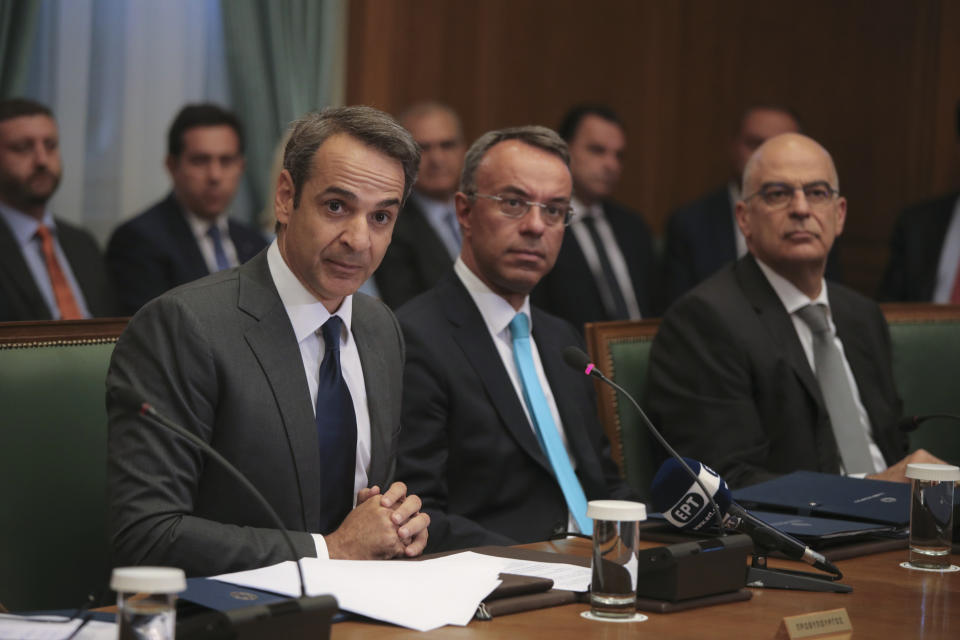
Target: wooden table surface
x,y
887,602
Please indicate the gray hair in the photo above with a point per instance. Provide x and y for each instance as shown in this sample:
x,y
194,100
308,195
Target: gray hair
x,y
533,135
370,126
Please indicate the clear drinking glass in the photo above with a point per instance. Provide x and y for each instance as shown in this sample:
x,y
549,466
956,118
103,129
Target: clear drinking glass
x,y
613,587
146,601
931,514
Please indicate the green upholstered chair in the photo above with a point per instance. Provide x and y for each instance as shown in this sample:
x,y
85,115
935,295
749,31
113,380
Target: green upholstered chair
x,y
622,352
54,548
926,366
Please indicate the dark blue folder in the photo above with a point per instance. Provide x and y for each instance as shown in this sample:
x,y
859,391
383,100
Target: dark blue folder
x,y
831,496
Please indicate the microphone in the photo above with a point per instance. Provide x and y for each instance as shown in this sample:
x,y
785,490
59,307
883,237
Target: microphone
x,y
580,361
255,619
684,506
912,423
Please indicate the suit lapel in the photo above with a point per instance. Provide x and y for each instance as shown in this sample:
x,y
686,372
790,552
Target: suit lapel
x,y
376,383
471,335
18,276
194,266
275,347
777,321
564,394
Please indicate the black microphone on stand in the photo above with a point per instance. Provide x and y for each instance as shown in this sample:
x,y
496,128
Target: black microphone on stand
x,y
696,505
257,622
577,359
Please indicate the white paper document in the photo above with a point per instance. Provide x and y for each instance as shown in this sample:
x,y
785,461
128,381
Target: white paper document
x,y
410,594
13,627
420,595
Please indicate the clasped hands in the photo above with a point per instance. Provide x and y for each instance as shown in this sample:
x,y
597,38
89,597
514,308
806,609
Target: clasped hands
x,y
381,526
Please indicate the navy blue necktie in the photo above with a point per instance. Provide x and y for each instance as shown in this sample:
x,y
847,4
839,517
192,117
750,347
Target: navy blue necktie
x,y
337,431
218,252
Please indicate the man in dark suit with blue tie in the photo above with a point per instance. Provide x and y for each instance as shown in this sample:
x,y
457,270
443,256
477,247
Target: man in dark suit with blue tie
x,y
501,439
188,234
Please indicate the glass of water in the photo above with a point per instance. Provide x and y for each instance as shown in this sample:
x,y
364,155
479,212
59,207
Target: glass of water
x,y
146,601
613,587
931,514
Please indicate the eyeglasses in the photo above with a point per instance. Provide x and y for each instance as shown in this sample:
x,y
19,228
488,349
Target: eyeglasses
x,y
553,213
777,195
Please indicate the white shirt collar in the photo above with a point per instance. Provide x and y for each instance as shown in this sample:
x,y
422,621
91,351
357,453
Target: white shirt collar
x,y
306,313
581,211
496,311
200,226
23,226
792,298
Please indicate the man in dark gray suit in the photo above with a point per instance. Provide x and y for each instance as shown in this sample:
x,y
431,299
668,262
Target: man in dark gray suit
x,y
283,370
766,368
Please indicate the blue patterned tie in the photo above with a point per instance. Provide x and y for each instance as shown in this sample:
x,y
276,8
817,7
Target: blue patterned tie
x,y
218,252
546,427
337,431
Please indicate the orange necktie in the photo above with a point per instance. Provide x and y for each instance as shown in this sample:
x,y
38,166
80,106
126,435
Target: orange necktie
x,y
69,309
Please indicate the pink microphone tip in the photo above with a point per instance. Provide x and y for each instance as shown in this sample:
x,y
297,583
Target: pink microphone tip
x,y
590,367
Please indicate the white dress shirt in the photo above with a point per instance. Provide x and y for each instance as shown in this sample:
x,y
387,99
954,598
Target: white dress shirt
x,y
497,314
200,227
307,315
610,245
793,300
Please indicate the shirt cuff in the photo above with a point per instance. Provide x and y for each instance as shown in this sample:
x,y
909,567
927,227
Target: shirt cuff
x,y
321,544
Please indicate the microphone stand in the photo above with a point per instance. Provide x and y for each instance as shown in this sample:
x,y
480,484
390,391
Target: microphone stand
x,y
759,575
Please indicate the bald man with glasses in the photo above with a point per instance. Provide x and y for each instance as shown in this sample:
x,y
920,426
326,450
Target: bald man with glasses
x,y
766,368
501,439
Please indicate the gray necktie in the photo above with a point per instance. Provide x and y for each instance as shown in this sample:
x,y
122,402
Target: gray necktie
x,y
837,392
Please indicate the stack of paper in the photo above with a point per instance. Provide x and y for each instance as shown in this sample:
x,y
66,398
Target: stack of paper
x,y
420,595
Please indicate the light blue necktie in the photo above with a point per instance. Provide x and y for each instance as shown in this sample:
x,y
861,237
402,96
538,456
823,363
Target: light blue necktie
x,y
218,252
546,427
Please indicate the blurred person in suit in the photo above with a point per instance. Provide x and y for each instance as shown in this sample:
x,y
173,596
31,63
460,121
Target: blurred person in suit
x,y
188,234
426,239
49,269
924,263
606,269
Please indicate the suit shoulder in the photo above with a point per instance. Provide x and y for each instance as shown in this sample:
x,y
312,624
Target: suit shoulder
x,y
75,233
149,221
246,232
554,325
618,213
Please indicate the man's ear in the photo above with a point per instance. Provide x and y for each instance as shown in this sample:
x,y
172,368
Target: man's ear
x,y
283,197
743,219
462,202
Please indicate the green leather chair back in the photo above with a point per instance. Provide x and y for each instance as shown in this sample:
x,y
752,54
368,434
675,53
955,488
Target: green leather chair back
x,y
54,548
622,352
926,367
